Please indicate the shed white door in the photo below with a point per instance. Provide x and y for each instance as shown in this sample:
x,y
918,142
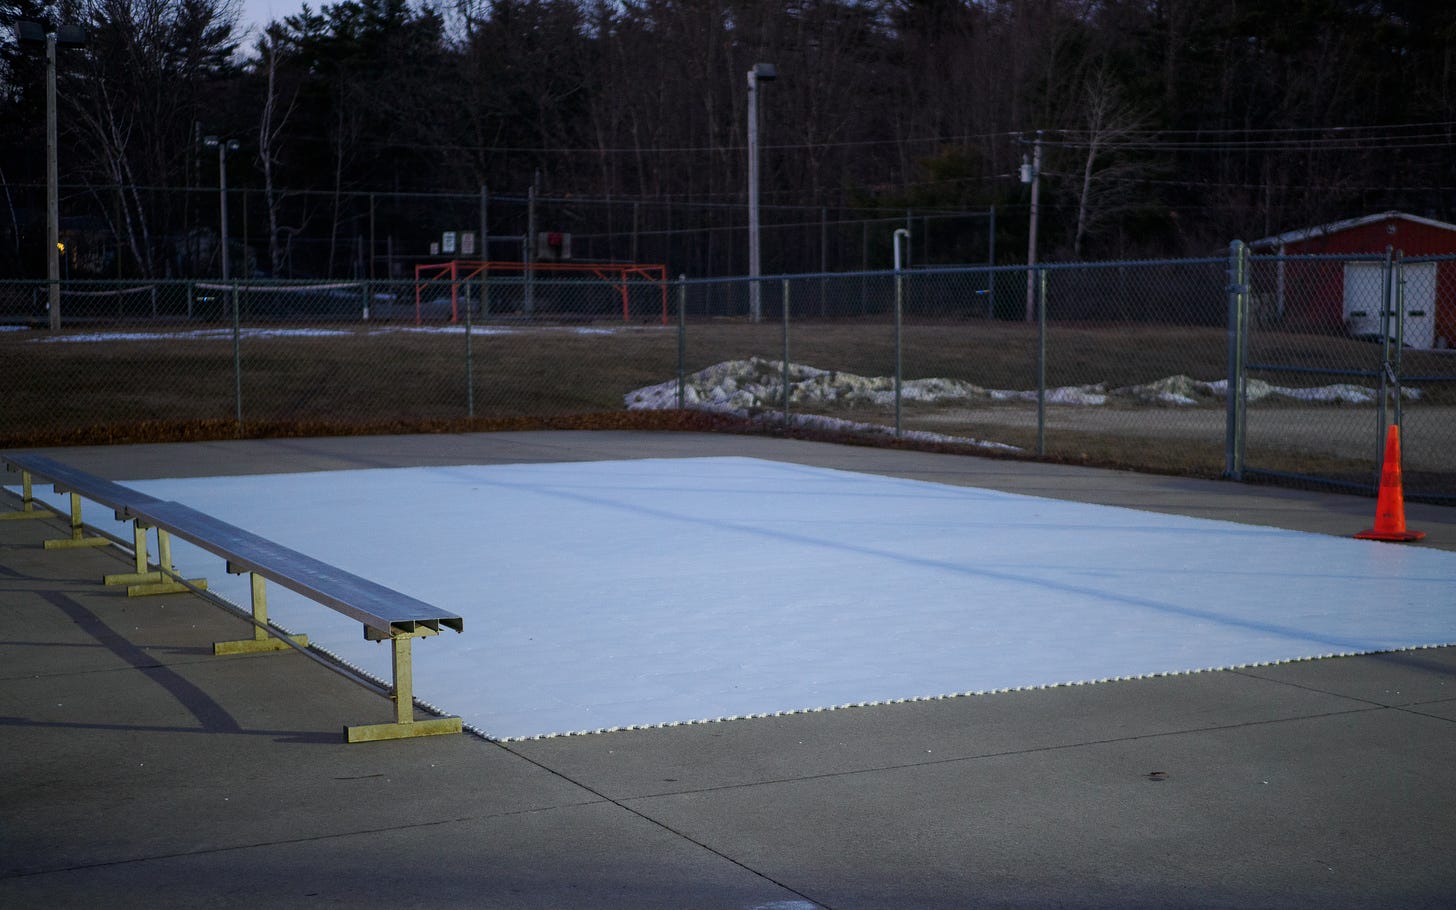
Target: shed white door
x,y
1420,304
1364,285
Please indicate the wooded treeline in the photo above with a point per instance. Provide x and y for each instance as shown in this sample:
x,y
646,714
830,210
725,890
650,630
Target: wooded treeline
x,y
1168,126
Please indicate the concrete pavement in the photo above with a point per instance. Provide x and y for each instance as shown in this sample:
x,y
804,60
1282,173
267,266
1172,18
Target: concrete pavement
x,y
138,769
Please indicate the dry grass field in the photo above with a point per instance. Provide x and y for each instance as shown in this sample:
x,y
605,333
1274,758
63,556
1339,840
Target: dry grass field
x,y
349,378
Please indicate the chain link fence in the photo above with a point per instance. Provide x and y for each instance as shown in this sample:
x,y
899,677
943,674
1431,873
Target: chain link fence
x,y
1117,364
1124,363
1339,348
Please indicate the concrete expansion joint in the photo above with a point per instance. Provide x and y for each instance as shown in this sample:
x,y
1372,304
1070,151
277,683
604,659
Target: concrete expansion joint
x,y
284,842
1014,753
622,804
1414,709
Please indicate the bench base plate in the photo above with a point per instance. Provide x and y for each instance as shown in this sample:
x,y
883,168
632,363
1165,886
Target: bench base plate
x,y
435,726
257,646
131,578
28,513
165,587
71,543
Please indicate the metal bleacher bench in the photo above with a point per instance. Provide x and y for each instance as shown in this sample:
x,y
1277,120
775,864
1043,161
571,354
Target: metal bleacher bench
x,y
386,614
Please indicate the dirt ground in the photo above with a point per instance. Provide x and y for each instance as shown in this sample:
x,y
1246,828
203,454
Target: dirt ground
x,y
1336,431
358,378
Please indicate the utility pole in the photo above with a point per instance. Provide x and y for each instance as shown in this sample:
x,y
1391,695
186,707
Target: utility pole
x,y
223,146
1031,173
761,72
53,195
36,34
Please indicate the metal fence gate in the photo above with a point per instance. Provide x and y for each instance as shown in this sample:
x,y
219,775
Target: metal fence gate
x,y
1328,351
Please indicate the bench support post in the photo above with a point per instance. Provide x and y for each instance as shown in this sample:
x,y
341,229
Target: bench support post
x,y
405,726
261,640
27,502
142,573
144,582
78,536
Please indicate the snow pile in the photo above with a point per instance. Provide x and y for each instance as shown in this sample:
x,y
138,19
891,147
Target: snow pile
x,y
753,388
202,334
226,334
458,329
743,387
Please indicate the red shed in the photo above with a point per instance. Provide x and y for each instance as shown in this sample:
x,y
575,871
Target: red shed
x,y
1352,294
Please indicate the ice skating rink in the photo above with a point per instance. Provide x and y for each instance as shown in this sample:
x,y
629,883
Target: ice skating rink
x,y
601,595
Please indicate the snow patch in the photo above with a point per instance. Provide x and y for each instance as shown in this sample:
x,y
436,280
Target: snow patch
x,y
743,387
753,389
223,334
201,334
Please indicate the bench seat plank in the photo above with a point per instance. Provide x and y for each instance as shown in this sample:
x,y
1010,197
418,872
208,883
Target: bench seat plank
x,y
373,604
67,479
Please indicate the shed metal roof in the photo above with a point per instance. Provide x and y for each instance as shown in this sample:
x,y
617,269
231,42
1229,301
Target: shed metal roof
x,y
1335,227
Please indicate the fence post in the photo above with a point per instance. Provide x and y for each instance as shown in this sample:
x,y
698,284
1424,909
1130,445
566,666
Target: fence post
x,y
1238,328
528,306
1041,318
682,338
469,357
786,354
899,310
237,357
1393,368
991,272
1382,417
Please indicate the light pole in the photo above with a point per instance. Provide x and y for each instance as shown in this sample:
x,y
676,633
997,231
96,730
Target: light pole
x,y
761,72
223,146
29,33
1031,173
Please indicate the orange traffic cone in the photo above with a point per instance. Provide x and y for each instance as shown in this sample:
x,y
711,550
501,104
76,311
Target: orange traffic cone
x,y
1390,507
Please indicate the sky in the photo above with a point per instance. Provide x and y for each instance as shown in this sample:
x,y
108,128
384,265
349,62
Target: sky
x,y
258,13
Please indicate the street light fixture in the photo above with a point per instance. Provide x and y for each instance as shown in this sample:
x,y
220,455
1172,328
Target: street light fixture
x,y
761,72
34,34
223,146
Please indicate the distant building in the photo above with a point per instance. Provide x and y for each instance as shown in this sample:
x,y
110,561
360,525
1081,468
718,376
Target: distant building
x,y
1331,293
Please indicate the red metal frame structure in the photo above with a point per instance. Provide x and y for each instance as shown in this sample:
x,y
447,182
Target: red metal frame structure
x,y
615,273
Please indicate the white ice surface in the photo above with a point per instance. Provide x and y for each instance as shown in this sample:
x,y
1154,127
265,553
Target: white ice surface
x,y
599,595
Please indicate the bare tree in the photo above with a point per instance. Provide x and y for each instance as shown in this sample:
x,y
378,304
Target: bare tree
x,y
1104,188
147,69
273,125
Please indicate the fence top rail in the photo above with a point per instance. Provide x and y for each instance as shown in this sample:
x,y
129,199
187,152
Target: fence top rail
x,y
1122,264
376,606
1317,257
72,480
634,274
980,269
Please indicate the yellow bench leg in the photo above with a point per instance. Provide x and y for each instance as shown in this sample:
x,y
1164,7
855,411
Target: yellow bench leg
x,y
261,640
142,573
144,582
405,726
27,502
78,536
